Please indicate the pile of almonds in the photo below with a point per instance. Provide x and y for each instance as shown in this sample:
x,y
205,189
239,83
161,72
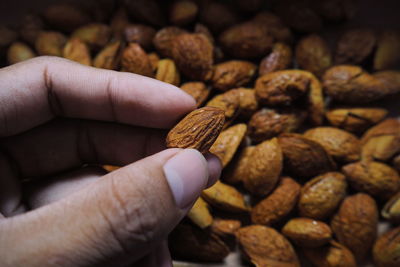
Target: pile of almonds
x,y
310,165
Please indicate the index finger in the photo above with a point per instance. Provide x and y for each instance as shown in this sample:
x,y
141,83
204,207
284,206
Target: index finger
x,y
35,91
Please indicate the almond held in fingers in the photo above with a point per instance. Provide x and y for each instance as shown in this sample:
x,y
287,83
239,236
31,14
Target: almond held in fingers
x,y
198,130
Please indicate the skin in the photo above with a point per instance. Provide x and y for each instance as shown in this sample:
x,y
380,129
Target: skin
x,y
56,116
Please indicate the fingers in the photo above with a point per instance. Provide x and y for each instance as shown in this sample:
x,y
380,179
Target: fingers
x,y
123,215
35,91
68,144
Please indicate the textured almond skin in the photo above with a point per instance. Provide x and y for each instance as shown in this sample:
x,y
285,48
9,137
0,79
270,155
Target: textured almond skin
x,y
278,204
280,58
247,40
228,142
65,17
200,215
375,178
223,227
163,40
313,54
18,52
264,168
386,249
50,44
248,102
135,60
232,74
355,120
391,210
183,12
390,79
198,90
193,54
229,102
225,197
332,255
78,51
268,123
341,145
264,246
109,57
306,232
355,224
198,130
96,35
239,166
352,85
167,72
141,34
354,46
191,243
386,56
303,157
321,196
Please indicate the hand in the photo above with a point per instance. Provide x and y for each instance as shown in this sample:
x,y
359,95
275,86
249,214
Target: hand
x,y
55,117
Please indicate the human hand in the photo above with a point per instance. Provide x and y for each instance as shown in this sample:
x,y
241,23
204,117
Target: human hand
x,y
56,116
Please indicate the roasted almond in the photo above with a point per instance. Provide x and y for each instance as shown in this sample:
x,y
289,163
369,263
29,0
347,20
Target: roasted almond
x,y
18,52
280,58
50,44
239,166
200,214
135,60
229,102
163,39
167,72
78,51
391,210
386,249
198,90
332,255
232,74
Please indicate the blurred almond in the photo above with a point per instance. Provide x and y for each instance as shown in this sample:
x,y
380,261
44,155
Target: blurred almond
x,y
280,58
232,74
135,60
119,21
78,51
354,46
183,12
66,17
248,102
200,214
146,11
332,255
19,52
386,249
223,227
96,35
154,59
109,57
229,102
164,38
141,34
50,44
386,55
167,72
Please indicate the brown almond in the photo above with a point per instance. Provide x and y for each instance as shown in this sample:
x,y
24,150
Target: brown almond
x,y
198,90
134,59
303,157
278,204
167,72
341,145
390,79
355,120
239,166
248,102
232,74
374,178
163,40
109,57
50,44
198,130
386,249
141,34
18,52
313,54
200,214
225,197
229,102
193,54
280,58
386,55
264,168
264,246
332,255
306,232
96,35
355,224
78,51
391,210
183,12
228,142
321,196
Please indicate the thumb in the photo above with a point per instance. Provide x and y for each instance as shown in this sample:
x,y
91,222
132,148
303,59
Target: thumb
x,y
116,220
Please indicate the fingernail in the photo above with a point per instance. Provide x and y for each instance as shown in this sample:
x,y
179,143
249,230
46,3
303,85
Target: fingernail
x,y
187,175
214,169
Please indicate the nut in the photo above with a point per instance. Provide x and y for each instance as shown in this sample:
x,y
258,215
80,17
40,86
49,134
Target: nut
x,y
198,90
154,59
354,46
192,243
386,55
229,102
313,54
248,102
225,197
352,85
341,145
374,178
355,224
386,249
332,255
321,196
183,12
200,215
391,210
193,54
163,39
390,79
306,232
280,58
268,123
19,52
264,246
238,168
141,34
78,51
228,142
304,158
50,44
277,205
202,29
355,120
109,57
232,74
66,17
264,168
167,72
96,35
225,228
135,60
198,130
